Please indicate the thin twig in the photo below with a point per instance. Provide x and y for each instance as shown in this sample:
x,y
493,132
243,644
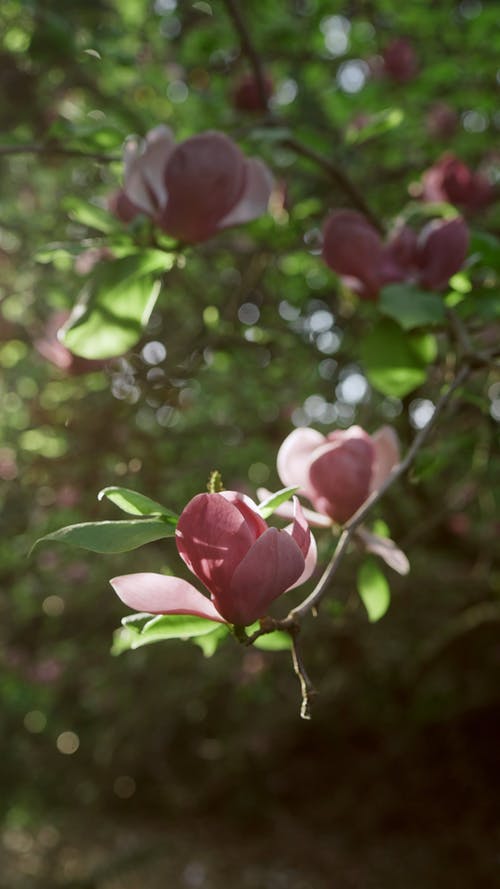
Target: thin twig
x,y
6,150
337,175
248,49
307,689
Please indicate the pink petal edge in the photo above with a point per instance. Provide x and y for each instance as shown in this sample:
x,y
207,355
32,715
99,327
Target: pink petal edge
x,y
161,594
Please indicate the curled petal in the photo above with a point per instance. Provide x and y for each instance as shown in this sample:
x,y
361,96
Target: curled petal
x,y
443,247
269,568
212,537
385,549
145,164
248,509
387,455
300,529
255,197
122,207
340,475
311,560
205,178
159,594
294,457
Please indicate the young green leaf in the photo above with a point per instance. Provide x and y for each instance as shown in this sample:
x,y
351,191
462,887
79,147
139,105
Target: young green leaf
x,y
111,537
374,590
270,505
277,641
115,305
411,307
134,503
134,633
90,215
396,362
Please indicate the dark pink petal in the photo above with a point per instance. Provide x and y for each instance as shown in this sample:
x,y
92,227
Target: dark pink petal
x,y
310,555
212,538
269,568
159,594
247,96
295,455
400,61
340,474
205,178
442,251
122,207
449,179
402,247
145,163
352,247
255,197
387,455
249,511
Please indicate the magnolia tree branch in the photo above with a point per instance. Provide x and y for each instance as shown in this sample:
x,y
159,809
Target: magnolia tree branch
x,y
333,171
337,175
307,689
6,150
248,49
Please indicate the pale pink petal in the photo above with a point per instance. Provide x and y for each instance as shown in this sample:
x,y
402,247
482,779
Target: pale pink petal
x,y
205,179
285,511
145,163
311,560
340,476
385,549
294,457
212,538
159,594
300,529
269,568
387,455
255,198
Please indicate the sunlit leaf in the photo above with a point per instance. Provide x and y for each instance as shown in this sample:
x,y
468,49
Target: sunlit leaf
x,y
396,362
136,633
115,305
373,589
277,641
270,505
134,503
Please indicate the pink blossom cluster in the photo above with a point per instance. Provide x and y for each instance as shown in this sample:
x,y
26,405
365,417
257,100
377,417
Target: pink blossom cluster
x,y
355,250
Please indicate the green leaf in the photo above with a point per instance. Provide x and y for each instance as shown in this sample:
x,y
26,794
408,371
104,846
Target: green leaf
x,y
270,505
111,537
374,590
277,641
135,633
115,305
378,124
90,215
396,362
134,503
411,307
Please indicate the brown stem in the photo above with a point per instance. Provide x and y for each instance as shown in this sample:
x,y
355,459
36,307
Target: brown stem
x,y
337,175
307,689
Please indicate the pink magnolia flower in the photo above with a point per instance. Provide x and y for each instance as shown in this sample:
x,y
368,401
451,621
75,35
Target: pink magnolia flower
x,y
246,95
194,189
337,473
442,120
353,248
400,61
449,179
242,562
